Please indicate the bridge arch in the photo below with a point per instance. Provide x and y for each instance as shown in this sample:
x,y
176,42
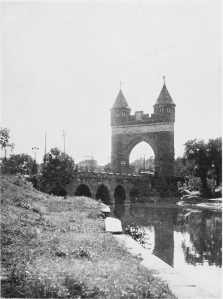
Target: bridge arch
x,y
103,194
140,150
83,190
142,141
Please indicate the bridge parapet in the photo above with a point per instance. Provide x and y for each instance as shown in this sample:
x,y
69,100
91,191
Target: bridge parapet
x,y
114,176
103,173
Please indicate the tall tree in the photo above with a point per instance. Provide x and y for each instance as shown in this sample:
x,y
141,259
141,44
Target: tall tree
x,y
215,153
202,155
4,140
58,168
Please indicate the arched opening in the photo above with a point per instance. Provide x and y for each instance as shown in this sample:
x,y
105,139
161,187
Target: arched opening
x,y
142,159
58,192
134,195
120,197
103,194
83,190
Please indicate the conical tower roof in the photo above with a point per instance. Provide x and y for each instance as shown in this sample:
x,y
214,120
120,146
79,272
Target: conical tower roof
x,y
120,102
164,97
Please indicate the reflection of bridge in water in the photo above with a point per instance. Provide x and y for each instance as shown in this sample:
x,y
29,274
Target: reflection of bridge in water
x,y
147,216
199,232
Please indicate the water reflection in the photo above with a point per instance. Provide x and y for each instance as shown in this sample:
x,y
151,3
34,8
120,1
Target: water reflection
x,y
119,210
204,228
187,239
204,244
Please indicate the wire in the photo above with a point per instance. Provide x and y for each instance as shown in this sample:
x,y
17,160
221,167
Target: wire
x,y
135,96
127,63
130,23
150,27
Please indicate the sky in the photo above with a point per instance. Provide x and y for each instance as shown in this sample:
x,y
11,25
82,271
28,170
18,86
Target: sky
x,y
62,63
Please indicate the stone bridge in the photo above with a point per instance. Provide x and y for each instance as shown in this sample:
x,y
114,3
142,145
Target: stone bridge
x,y
111,188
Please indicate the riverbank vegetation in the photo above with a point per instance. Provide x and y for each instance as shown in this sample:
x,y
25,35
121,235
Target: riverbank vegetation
x,y
57,248
201,166
199,169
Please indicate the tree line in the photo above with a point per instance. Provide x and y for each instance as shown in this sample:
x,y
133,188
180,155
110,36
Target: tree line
x,y
201,161
57,167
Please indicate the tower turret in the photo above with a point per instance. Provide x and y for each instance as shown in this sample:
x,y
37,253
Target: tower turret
x,y
120,110
164,108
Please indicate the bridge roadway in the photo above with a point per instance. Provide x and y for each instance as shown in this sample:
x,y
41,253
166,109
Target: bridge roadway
x,y
111,188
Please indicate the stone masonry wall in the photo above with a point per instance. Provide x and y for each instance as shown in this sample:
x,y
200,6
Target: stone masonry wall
x,y
162,143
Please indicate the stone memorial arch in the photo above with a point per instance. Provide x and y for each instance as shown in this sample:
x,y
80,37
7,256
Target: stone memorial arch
x,y
157,130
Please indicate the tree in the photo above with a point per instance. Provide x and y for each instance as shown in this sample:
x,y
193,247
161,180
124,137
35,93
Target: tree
x,y
20,163
107,167
150,164
202,156
58,168
34,169
23,163
215,153
183,167
141,164
4,140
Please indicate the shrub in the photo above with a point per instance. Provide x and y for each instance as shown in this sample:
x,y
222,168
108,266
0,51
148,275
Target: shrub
x,y
137,233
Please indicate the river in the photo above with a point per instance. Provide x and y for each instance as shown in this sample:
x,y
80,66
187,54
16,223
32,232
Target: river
x,y
189,240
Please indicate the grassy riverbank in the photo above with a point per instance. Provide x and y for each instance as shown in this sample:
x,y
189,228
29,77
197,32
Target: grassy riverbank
x,y
56,248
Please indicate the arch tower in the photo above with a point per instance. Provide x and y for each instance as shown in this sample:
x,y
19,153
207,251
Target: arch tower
x,y
157,130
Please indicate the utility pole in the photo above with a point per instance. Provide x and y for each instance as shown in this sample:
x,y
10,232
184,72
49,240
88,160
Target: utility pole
x,y
64,134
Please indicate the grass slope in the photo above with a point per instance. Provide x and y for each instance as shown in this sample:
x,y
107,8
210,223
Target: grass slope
x,y
56,248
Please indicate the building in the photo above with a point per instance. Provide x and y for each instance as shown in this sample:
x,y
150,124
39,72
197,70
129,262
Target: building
x,y
157,130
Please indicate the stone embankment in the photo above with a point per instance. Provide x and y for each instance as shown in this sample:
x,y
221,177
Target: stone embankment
x,y
178,285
